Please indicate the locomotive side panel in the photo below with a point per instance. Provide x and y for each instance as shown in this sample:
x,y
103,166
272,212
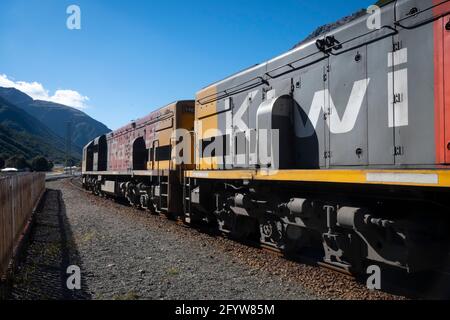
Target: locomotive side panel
x,y
206,123
380,135
135,146
412,79
446,53
88,157
442,83
347,104
310,144
158,140
147,143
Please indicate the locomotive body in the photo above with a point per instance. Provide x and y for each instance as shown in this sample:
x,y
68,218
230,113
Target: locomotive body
x,y
135,162
338,149
339,145
354,98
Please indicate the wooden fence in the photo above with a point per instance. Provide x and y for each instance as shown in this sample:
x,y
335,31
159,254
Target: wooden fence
x,y
19,195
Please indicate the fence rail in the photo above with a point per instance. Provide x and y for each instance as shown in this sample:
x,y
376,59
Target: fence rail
x,y
19,195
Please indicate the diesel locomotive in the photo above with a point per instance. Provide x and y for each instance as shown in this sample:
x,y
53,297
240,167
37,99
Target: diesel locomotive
x,y
135,162
338,149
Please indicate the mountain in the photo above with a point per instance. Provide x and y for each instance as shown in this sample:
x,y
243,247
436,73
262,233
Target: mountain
x,y
15,96
57,116
332,26
22,134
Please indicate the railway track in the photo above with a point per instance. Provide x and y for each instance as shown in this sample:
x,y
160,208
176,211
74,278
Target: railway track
x,y
391,282
76,182
394,282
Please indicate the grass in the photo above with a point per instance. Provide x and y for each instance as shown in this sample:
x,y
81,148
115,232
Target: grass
x,y
131,295
173,272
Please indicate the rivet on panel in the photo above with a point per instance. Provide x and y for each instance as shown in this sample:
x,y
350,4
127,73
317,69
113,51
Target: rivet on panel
x,y
413,11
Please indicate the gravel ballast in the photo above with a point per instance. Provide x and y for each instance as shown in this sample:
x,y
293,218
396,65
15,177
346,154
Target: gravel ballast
x,y
125,253
123,257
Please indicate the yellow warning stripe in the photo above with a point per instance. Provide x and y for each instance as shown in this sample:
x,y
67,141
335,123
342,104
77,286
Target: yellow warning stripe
x,y
428,178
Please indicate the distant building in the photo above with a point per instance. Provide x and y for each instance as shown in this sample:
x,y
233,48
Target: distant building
x,y
72,170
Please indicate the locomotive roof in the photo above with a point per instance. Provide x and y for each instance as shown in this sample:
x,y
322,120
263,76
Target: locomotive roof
x,y
155,114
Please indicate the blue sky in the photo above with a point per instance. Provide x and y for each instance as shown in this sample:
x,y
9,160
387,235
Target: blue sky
x,y
131,57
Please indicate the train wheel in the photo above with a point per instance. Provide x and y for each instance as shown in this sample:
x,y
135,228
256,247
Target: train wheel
x,y
96,189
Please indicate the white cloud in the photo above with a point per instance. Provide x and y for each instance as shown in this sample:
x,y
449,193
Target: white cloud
x,y
37,91
70,98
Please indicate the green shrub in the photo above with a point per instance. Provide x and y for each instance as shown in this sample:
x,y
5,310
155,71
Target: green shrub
x,y
17,162
40,164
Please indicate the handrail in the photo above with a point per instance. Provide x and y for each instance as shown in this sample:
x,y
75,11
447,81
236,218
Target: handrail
x,y
422,23
149,122
228,92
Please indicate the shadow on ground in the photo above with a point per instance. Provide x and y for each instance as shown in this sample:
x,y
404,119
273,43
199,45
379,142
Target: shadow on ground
x,y
41,273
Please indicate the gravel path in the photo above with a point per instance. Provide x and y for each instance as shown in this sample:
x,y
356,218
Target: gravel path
x,y
126,254
41,274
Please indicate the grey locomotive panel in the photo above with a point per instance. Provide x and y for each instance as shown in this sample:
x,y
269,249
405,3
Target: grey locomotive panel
x,y
369,102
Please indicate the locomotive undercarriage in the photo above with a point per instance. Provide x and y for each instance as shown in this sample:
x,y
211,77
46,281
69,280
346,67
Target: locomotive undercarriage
x,y
148,193
347,227
341,226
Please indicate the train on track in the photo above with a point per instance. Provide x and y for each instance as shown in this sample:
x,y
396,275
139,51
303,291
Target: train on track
x,y
338,149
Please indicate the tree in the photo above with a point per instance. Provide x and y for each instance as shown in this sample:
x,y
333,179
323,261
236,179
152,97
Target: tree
x,y
2,163
17,162
40,164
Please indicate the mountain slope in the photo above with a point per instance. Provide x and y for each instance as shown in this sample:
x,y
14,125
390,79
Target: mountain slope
x,y
56,117
22,134
15,96
332,26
